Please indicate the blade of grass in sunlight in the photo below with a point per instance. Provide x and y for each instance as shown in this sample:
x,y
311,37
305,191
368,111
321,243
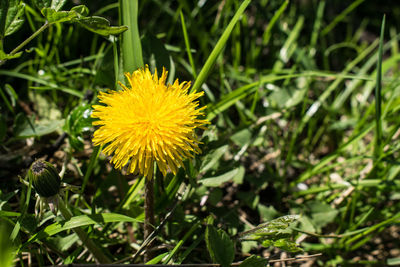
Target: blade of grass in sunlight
x,y
218,48
187,44
131,46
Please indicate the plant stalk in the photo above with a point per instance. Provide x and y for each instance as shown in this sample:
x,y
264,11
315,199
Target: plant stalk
x,y
148,215
90,245
30,38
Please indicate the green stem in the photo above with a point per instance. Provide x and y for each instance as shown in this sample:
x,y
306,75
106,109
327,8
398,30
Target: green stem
x,y
90,245
30,38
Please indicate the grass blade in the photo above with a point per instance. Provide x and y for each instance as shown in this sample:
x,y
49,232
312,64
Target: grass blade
x,y
131,46
187,44
218,48
378,96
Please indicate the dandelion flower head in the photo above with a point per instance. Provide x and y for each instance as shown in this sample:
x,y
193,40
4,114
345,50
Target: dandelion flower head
x,y
148,122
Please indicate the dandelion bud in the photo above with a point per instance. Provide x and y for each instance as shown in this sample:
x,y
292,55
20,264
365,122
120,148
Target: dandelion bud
x,y
45,178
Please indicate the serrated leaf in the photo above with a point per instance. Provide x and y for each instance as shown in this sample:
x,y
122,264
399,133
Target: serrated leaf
x,y
57,4
14,23
254,261
270,230
40,4
54,16
10,17
4,5
54,4
220,246
100,26
220,179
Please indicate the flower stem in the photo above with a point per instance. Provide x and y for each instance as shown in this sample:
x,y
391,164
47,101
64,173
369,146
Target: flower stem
x,y
148,215
30,38
90,245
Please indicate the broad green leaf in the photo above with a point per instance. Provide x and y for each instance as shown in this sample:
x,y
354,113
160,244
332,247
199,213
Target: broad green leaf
x,y
78,122
53,4
220,246
40,4
79,221
321,213
4,5
10,17
100,26
57,4
212,158
40,128
218,180
54,16
254,261
15,20
242,137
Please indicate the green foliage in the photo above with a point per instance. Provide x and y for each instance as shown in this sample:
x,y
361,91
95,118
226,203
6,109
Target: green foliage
x,y
7,253
10,17
77,123
275,233
220,246
53,4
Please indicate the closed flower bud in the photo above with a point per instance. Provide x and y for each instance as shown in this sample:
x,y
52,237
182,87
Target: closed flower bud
x,y
45,178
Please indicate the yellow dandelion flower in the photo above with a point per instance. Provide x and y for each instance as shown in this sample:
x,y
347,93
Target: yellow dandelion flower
x,y
150,121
